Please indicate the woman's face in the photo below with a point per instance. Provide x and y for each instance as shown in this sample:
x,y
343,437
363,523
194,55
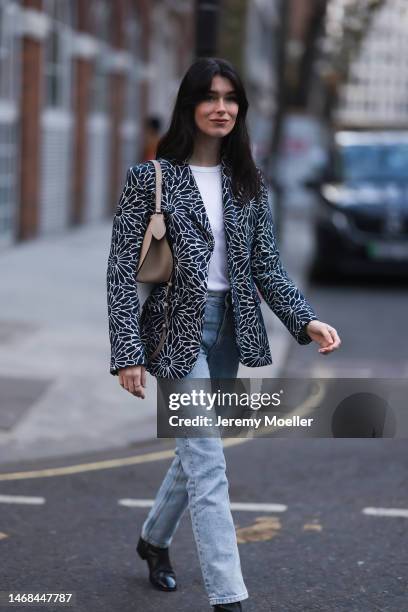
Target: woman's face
x,y
216,114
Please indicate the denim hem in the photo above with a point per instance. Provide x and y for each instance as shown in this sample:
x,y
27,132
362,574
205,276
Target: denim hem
x,y
231,599
153,542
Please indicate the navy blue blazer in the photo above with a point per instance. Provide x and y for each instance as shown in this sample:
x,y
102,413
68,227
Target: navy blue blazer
x,y
253,261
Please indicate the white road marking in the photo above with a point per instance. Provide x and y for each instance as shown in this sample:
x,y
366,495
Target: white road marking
x,y
252,507
246,507
386,512
136,503
21,499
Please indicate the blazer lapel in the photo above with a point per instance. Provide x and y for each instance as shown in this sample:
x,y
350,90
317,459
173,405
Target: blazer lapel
x,y
196,208
228,201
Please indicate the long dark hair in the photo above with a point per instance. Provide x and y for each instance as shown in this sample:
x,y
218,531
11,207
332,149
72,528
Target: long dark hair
x,y
178,142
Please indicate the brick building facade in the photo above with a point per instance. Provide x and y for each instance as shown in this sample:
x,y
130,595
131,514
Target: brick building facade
x,y
77,80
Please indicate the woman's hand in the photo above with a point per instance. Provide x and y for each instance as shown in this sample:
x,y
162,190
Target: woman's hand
x,y
323,334
133,379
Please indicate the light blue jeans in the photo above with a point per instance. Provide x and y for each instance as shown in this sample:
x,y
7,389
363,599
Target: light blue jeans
x,y
197,476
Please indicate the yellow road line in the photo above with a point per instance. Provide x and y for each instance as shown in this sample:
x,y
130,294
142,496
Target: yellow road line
x,y
108,464
105,464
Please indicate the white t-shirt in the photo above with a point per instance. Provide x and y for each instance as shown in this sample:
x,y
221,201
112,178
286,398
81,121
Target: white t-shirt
x,y
208,179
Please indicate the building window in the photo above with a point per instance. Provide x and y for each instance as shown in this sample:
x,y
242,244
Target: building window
x,y
57,54
101,16
8,64
9,133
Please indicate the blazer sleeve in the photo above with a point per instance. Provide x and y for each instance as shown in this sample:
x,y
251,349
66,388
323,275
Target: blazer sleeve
x,y
129,226
279,291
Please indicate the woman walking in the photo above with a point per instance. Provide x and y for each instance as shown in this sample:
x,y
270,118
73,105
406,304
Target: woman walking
x,y
220,228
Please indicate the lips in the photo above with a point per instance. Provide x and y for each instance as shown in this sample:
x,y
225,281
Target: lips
x,y
220,121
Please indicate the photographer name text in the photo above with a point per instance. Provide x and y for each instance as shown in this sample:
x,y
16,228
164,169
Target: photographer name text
x,y
254,422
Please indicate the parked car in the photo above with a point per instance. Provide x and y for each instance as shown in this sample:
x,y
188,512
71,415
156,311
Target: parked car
x,y
361,212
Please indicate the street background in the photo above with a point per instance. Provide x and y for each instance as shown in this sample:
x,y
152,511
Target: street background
x,y
85,90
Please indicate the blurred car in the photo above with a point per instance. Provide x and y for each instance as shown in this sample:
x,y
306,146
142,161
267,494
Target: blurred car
x,y
361,212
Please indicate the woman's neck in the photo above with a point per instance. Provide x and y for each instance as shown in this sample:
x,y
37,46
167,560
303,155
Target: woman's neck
x,y
206,151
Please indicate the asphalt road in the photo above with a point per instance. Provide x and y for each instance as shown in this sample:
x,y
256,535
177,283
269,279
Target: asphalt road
x,y
321,553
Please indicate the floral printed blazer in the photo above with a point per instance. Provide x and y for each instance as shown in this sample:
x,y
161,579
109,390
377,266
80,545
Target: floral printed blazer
x,y
253,262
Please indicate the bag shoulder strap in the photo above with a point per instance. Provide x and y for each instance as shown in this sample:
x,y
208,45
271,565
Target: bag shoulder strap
x,y
158,170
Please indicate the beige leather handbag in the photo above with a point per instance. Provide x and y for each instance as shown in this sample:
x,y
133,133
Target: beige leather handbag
x,y
156,258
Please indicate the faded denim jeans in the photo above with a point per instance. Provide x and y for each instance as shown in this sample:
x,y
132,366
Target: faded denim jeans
x,y
197,476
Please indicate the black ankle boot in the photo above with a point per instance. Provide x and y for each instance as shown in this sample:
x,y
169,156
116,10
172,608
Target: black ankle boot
x,y
161,574
229,607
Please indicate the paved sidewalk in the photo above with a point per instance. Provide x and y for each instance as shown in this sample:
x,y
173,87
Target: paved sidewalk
x,y
57,396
